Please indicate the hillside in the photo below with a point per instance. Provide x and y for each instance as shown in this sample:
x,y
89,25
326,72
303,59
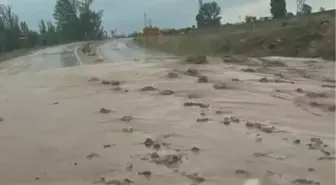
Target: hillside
x,y
305,36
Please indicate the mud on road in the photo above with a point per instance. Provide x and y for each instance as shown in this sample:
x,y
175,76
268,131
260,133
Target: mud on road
x,y
168,122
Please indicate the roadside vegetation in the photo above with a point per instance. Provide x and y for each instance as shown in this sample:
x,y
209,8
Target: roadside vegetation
x,y
305,34
74,20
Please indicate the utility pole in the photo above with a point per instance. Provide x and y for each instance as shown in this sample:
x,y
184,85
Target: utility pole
x,y
145,19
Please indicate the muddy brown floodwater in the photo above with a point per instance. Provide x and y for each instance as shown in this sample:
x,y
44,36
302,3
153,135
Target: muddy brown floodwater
x,y
76,125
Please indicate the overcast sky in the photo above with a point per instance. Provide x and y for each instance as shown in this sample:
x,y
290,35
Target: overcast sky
x,y
127,15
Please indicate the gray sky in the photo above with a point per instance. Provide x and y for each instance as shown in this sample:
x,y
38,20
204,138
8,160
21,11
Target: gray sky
x,y
127,15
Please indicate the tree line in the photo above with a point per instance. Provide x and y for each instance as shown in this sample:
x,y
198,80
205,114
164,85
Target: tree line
x,y
74,20
209,13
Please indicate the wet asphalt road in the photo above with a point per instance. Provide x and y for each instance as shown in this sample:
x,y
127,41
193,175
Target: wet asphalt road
x,y
52,57
125,50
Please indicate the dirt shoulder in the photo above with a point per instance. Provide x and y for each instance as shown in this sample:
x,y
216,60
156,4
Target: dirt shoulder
x,y
304,37
170,122
15,53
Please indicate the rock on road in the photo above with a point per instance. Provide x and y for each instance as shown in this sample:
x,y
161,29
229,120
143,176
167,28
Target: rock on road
x,y
152,121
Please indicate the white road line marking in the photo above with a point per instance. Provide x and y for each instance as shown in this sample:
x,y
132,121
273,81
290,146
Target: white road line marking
x,y
252,182
98,53
77,56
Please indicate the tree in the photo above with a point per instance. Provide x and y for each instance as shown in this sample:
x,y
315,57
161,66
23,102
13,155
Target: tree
x,y
306,9
65,14
76,21
278,8
10,28
322,9
24,27
208,15
42,27
250,19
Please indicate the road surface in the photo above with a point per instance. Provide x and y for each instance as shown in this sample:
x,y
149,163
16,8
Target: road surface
x,y
155,122
49,58
126,50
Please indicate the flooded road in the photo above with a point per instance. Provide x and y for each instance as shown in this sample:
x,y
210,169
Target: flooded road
x,y
126,50
49,58
162,121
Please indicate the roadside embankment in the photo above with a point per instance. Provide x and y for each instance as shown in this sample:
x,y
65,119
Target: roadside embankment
x,y
313,37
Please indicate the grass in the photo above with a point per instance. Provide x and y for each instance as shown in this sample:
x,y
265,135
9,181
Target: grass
x,y
299,37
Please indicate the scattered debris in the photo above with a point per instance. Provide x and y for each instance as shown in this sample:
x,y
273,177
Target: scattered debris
x,y
264,80
328,86
108,146
193,96
326,158
55,103
166,92
248,70
168,160
172,74
157,146
115,82
219,86
299,90
316,95
325,152
104,111
94,79
118,88
227,121
332,108
98,61
129,168
116,182
196,60
194,177
128,181
202,79
146,173
258,138
148,88
202,119
235,80
235,119
128,130
195,149
273,63
37,178
242,172
192,72
249,124
126,118
220,112
316,140
297,141
311,169
154,155
105,82
267,129
268,155
149,142
196,104
92,155
305,181
279,75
